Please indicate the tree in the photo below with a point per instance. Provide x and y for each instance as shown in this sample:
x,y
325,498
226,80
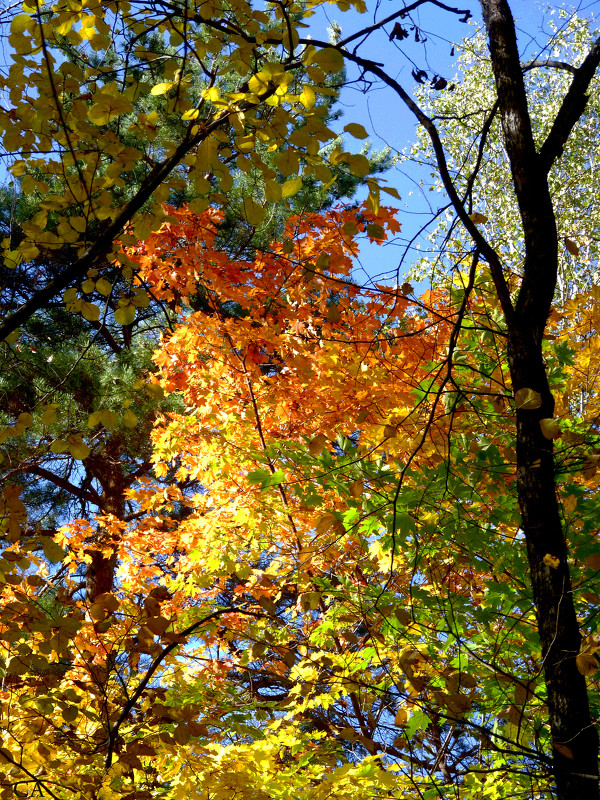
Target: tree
x,y
90,381
484,178
487,300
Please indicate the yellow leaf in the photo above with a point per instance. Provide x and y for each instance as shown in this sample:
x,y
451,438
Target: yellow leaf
x,y
130,419
258,649
108,107
110,419
272,191
308,97
104,287
79,450
90,311
108,601
158,625
291,187
254,213
362,415
97,612
402,717
391,190
317,444
245,144
375,231
25,419
356,130
12,258
49,414
140,299
52,550
333,313
356,488
69,714
359,165
593,562
458,703
551,561
570,504
199,204
59,446
259,83
527,399
12,337
308,601
94,419
125,315
550,428
22,23
161,88
329,60
287,162
154,390
325,523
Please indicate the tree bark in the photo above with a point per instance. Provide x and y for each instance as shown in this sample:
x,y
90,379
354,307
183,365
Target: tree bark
x,y
574,737
107,468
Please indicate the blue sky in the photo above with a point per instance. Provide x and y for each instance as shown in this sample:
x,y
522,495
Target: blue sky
x,y
389,122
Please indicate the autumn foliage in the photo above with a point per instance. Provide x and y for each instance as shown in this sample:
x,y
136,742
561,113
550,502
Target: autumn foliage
x,y
316,593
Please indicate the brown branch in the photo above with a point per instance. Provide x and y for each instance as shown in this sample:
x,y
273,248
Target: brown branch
x,y
398,15
112,736
90,496
104,242
481,243
550,62
573,106
466,14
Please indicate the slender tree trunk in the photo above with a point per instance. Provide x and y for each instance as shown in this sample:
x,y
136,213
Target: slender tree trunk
x,y
108,470
574,737
575,740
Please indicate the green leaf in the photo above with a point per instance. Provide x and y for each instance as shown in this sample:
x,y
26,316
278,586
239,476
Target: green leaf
x,y
265,478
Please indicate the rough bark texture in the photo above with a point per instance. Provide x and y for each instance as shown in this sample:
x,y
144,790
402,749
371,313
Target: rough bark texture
x,y
574,735
108,470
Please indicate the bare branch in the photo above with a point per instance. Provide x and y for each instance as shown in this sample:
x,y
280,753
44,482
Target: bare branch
x,y
571,109
552,64
156,664
481,243
104,242
89,496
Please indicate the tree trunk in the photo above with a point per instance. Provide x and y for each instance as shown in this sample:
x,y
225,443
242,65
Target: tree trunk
x,y
574,737
107,468
575,740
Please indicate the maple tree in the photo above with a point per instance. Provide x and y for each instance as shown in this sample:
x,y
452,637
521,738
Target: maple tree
x,y
322,590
